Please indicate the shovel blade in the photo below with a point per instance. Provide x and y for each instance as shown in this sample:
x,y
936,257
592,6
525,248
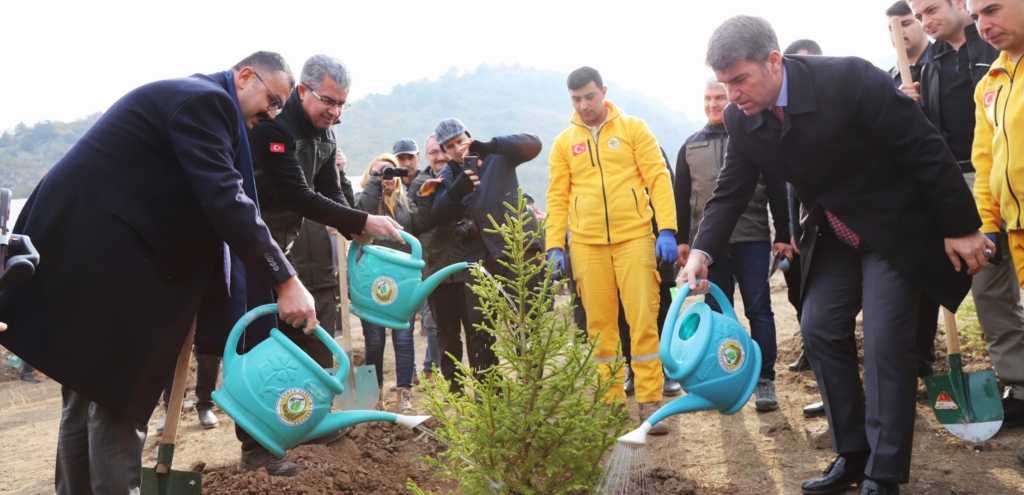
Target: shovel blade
x,y
172,483
968,405
361,392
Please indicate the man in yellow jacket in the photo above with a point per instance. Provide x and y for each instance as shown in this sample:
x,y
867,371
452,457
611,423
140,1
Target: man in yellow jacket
x,y
606,170
998,151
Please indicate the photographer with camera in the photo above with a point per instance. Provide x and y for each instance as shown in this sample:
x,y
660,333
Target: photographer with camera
x,y
466,197
384,194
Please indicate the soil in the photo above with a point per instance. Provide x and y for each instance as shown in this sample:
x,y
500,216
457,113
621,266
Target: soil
x,y
705,453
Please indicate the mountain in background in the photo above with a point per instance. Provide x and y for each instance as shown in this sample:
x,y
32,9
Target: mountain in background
x,y
493,100
28,153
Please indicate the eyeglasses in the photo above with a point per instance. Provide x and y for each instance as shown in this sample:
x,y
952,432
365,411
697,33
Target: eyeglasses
x,y
340,105
275,103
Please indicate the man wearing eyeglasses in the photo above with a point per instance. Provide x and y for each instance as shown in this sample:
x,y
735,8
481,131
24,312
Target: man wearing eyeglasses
x,y
133,222
296,177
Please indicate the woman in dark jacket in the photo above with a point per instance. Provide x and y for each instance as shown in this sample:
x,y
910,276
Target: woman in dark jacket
x,y
387,196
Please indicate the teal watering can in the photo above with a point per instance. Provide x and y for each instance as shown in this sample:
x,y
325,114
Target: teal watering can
x,y
710,355
278,394
386,286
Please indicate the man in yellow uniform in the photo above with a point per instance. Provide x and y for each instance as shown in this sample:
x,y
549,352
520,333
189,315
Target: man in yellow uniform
x,y
606,170
998,151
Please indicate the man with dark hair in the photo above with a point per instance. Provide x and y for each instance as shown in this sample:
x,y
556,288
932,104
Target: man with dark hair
x,y
156,195
605,170
294,158
467,201
959,59
917,43
803,47
408,155
888,216
747,258
997,156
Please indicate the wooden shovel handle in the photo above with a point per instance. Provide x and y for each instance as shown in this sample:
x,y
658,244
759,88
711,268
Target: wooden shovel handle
x,y
346,335
901,49
177,394
952,338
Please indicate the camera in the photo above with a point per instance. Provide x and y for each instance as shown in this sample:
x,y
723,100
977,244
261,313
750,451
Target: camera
x,y
392,172
464,228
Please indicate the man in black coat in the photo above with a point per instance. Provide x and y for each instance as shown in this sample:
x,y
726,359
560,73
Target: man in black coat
x,y
133,224
888,215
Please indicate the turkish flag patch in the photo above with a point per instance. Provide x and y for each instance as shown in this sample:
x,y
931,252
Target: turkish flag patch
x,y
277,147
579,149
990,98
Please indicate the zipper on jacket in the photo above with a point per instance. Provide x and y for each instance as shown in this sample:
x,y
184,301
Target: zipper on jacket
x,y
604,193
1009,185
994,112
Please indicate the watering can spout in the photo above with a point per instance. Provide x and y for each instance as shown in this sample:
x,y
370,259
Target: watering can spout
x,y
343,419
685,404
431,283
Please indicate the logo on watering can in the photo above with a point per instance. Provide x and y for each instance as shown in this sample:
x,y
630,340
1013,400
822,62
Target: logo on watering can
x,y
730,355
294,406
385,290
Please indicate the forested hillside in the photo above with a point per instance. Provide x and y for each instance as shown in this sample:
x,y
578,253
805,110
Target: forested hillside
x,y
29,152
491,101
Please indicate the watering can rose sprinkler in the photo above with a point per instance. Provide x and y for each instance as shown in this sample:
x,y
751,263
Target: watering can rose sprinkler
x,y
281,397
710,355
385,284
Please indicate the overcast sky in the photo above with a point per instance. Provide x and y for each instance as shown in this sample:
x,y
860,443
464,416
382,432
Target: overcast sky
x,y
63,60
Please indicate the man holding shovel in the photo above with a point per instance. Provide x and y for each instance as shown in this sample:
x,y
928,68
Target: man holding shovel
x,y
888,216
133,221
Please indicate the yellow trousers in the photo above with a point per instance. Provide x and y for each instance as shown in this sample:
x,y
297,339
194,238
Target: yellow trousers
x,y
603,274
1016,240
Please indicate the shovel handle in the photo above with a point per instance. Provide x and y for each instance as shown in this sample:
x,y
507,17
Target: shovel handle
x,y
952,338
177,394
896,28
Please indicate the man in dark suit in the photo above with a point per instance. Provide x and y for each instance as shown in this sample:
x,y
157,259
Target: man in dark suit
x,y
888,215
135,223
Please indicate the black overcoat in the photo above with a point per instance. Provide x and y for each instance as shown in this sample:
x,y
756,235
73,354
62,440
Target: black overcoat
x,y
130,226
854,145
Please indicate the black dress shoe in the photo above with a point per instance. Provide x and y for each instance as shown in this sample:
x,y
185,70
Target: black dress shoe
x,y
1013,412
838,476
816,410
877,487
628,386
801,363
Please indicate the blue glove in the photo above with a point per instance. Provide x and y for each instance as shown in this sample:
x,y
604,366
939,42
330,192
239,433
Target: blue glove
x,y
557,259
665,247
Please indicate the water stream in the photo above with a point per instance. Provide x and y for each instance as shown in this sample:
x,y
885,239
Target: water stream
x,y
628,472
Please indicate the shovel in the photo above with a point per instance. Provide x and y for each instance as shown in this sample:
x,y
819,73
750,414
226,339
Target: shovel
x,y
161,480
966,404
361,392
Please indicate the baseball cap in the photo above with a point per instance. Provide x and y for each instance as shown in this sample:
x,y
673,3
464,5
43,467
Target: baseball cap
x,y
448,129
405,147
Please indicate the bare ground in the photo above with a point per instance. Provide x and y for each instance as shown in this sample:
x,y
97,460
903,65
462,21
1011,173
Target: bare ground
x,y
705,453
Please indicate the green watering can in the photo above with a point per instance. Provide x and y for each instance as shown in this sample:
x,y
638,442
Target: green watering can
x,y
386,286
710,355
281,397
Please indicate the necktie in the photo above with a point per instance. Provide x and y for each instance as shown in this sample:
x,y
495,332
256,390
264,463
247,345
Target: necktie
x,y
843,233
779,113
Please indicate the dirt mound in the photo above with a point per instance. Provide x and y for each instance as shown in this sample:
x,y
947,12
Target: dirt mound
x,y
372,458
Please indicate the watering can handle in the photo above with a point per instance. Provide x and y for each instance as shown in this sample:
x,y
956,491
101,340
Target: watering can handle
x,y
231,351
723,302
417,249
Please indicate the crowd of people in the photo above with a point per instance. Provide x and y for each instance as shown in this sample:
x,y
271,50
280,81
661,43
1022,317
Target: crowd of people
x,y
884,198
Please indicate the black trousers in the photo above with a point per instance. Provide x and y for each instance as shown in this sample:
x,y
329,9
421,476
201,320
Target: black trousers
x,y
877,415
448,305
